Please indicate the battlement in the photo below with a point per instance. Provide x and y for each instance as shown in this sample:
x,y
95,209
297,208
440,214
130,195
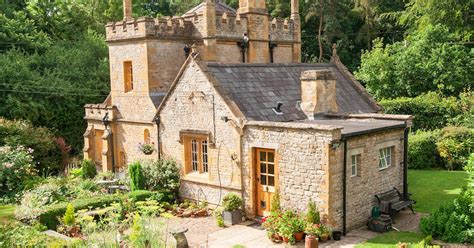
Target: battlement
x,y
231,26
281,29
147,27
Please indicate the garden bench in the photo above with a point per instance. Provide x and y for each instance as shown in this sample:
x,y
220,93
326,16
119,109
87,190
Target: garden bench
x,y
395,202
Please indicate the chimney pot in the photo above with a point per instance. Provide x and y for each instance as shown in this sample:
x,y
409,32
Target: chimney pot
x,y
127,9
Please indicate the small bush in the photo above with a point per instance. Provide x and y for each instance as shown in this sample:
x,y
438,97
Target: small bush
x,y
88,169
451,222
16,166
422,153
275,202
137,180
50,214
454,146
162,175
313,215
68,217
231,202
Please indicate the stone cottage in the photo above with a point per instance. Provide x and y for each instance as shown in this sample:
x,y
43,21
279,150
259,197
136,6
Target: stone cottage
x,y
223,92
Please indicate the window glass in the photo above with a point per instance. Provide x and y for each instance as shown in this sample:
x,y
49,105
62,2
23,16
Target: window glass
x,y
194,155
205,166
385,157
128,75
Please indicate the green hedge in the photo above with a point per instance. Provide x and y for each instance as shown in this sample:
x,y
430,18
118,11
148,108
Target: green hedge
x,y
140,195
422,153
49,217
431,110
455,145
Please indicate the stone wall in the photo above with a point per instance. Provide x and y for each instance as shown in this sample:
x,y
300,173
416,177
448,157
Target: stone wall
x,y
283,54
370,181
302,164
195,106
228,52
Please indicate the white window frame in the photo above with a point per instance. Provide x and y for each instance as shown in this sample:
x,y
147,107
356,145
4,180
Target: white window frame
x,y
385,157
355,161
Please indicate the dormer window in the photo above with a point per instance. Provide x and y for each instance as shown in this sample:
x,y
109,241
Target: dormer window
x,y
128,76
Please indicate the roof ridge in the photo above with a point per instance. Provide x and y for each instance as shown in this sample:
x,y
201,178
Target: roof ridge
x,y
216,64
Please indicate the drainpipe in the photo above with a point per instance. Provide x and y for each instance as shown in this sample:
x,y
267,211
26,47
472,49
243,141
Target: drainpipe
x,y
344,186
405,163
157,121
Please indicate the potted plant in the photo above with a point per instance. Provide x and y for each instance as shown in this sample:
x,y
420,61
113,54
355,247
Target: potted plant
x,y
146,148
288,226
271,224
312,233
232,214
298,228
325,232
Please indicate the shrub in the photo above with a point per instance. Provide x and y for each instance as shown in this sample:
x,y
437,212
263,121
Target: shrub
x,y
162,175
68,218
137,180
454,146
231,202
50,214
16,166
275,202
45,151
422,153
431,110
451,222
140,195
313,216
19,235
88,169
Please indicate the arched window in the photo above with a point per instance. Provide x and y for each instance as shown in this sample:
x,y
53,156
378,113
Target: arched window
x,y
146,136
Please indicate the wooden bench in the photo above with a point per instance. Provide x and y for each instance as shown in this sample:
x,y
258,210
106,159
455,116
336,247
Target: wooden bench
x,y
395,202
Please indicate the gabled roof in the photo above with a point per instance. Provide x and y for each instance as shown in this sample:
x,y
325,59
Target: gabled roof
x,y
220,9
256,88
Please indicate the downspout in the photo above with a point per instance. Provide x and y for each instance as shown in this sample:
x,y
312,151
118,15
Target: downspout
x,y
113,148
405,163
344,186
158,148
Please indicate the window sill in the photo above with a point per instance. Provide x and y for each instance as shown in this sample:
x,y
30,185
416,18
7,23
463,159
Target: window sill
x,y
384,168
196,176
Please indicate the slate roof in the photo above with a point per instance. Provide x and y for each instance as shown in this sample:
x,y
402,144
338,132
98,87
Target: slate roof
x,y
157,97
256,88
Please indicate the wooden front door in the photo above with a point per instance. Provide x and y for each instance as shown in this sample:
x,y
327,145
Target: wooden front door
x,y
266,179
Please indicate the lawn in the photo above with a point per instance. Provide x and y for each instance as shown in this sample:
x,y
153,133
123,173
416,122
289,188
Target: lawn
x,y
433,188
390,239
6,214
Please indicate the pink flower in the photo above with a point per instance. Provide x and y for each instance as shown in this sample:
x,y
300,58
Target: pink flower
x,y
30,150
8,165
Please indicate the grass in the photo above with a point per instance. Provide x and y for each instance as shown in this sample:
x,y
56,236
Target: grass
x,y
433,188
391,239
6,214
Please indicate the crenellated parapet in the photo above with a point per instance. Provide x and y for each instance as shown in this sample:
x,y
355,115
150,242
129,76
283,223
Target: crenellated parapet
x,y
281,29
148,27
98,111
231,26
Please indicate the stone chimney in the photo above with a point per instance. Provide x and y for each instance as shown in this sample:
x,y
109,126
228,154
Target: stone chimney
x,y
127,9
318,92
295,16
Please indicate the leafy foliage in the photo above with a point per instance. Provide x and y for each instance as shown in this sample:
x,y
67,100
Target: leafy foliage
x,y
431,60
431,110
422,153
68,218
162,175
41,140
231,202
88,169
455,146
451,222
16,166
18,235
137,179
313,216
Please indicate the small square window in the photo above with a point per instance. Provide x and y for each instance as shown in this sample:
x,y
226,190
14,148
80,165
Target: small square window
x,y
385,157
355,162
197,154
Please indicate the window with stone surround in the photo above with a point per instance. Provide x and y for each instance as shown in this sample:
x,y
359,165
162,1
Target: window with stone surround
x,y
355,162
128,76
146,136
385,157
196,149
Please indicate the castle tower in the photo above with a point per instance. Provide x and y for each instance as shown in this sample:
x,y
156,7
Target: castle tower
x,y
209,31
258,30
295,17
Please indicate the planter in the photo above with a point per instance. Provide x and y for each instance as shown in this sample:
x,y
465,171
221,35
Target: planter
x,y
311,241
299,236
275,238
324,238
285,239
336,235
148,152
232,217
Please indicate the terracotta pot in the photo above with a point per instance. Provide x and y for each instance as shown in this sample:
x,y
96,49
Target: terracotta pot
x,y
285,239
278,237
311,241
299,236
324,238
